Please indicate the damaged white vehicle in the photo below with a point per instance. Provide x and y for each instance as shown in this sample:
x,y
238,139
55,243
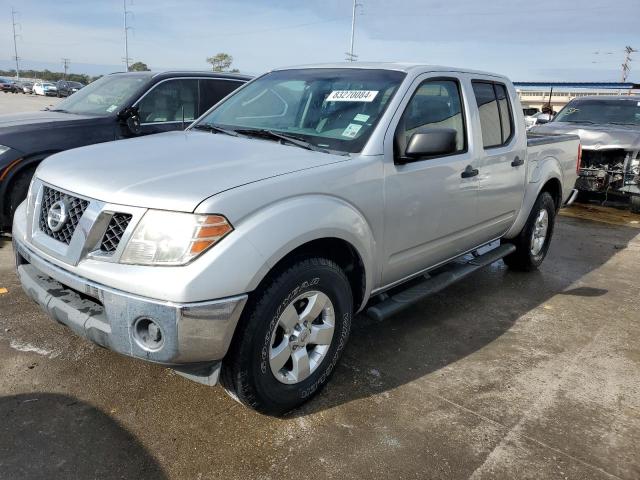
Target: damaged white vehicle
x,y
609,130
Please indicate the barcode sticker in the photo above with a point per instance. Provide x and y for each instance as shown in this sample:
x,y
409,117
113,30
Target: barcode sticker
x,y
352,96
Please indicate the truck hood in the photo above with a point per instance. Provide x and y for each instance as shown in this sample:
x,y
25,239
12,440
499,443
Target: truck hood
x,y
45,117
176,170
597,136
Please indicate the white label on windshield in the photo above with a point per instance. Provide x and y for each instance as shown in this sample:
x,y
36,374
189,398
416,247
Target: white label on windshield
x,y
112,108
352,96
361,117
351,130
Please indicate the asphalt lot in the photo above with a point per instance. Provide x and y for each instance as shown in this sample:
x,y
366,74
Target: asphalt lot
x,y
18,102
502,376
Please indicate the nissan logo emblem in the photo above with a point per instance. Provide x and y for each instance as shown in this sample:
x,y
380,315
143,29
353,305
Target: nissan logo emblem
x,y
58,215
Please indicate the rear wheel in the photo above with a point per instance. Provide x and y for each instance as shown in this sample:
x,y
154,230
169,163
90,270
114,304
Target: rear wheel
x,y
291,336
532,243
635,203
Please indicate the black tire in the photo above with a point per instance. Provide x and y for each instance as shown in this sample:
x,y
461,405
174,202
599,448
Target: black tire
x,y
634,202
523,259
18,192
246,371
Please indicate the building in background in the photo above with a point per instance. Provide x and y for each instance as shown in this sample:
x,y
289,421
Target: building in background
x,y
539,94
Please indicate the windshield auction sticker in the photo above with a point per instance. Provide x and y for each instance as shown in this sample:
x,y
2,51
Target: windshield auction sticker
x,y
352,130
352,96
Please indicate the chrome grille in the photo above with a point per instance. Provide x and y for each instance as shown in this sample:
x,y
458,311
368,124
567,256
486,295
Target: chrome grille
x,y
117,225
76,208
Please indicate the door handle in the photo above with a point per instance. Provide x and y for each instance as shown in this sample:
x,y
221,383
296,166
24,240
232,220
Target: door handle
x,y
517,162
469,172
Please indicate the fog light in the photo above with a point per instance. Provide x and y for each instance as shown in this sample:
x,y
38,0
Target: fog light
x,y
148,334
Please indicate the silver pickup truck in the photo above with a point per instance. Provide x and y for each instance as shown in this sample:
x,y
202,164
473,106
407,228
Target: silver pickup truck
x,y
238,251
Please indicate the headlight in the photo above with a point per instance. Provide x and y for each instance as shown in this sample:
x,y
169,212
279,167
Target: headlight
x,y
171,238
4,149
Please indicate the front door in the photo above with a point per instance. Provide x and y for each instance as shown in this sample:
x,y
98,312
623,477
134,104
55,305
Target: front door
x,y
430,207
169,105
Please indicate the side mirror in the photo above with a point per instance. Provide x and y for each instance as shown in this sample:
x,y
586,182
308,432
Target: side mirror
x,y
131,119
544,118
429,142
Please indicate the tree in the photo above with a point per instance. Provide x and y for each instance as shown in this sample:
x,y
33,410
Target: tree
x,y
220,62
138,67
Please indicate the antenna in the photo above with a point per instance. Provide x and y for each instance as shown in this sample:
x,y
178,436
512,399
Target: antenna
x,y
15,45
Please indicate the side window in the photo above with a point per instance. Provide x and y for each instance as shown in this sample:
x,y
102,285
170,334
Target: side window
x,y
212,91
496,120
505,112
435,104
167,101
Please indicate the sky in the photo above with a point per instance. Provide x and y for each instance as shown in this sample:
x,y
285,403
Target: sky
x,y
543,40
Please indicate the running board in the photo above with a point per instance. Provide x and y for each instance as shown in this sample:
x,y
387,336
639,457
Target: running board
x,y
454,272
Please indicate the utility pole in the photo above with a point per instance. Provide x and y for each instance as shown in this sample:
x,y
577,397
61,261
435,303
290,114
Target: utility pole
x,y
126,36
15,44
351,57
65,64
627,60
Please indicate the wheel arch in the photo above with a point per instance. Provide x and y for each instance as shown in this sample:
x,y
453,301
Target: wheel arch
x,y
14,172
342,252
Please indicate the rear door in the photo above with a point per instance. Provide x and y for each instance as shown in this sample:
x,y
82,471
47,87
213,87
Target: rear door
x,y
500,153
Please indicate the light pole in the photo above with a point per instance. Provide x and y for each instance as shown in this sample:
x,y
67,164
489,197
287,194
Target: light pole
x,y
15,46
351,57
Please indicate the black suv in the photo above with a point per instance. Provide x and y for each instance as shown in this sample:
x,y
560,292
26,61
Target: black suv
x,y
116,106
66,88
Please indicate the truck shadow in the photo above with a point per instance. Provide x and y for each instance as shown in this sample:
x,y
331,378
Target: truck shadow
x,y
467,316
47,436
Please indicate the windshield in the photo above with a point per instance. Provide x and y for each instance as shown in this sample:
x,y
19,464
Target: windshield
x,y
335,109
623,112
104,96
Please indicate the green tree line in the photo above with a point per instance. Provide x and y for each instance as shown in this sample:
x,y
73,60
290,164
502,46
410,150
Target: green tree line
x,y
49,75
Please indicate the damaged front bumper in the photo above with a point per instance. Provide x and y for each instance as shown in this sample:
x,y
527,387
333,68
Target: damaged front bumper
x,y
192,338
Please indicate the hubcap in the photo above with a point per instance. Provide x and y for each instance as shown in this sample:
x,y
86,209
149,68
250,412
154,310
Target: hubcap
x,y
302,337
539,234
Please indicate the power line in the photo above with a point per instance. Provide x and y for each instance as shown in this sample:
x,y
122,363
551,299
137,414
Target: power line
x,y
15,43
627,60
351,57
126,36
65,64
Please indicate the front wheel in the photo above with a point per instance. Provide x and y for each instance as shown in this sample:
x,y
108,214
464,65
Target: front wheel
x,y
635,203
532,243
291,336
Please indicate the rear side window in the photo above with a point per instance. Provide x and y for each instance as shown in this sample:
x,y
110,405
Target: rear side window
x,y
496,119
212,91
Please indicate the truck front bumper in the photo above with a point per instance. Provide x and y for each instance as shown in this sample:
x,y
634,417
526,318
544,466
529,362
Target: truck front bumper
x,y
187,336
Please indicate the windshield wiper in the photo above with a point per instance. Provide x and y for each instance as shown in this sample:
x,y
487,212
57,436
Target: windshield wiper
x,y
281,136
577,121
209,127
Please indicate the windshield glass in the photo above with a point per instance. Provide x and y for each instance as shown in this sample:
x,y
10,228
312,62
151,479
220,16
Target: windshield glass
x,y
336,109
601,111
104,96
